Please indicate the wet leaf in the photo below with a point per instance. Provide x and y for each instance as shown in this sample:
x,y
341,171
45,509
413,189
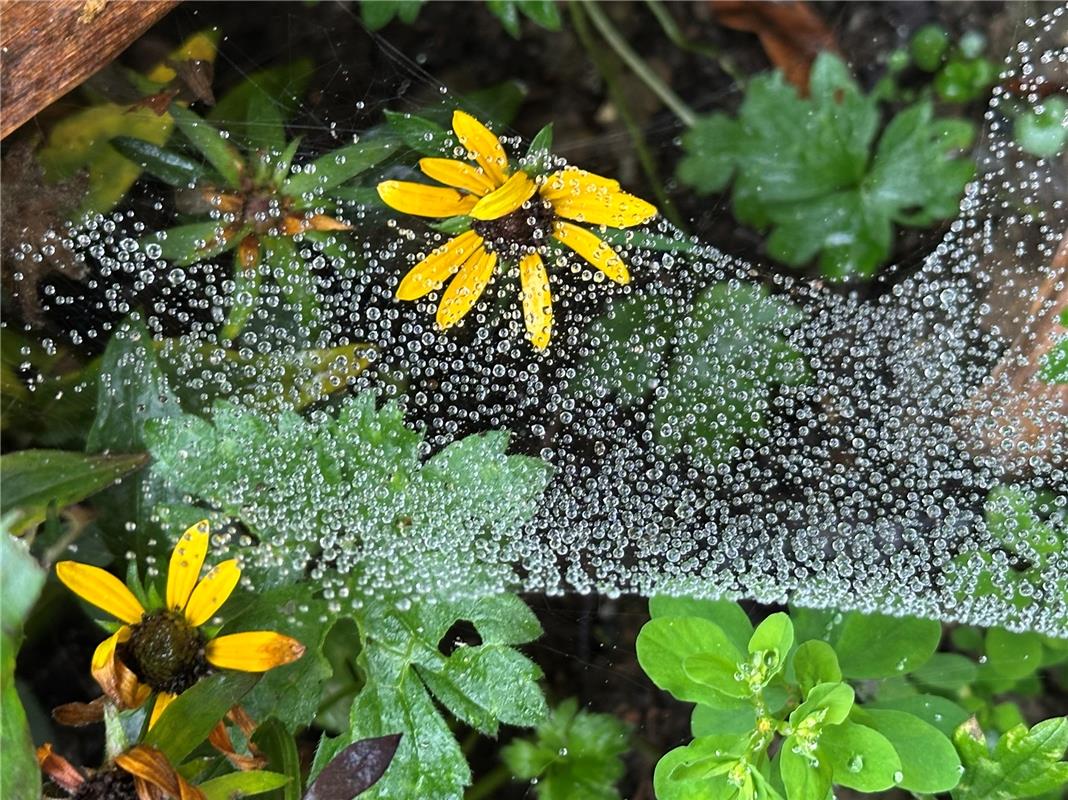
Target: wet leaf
x,y
211,144
168,166
355,769
1023,763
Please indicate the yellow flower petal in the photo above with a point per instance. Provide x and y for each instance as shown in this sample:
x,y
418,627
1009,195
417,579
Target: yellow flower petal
x,y
603,207
515,191
104,650
591,248
254,651
186,560
457,174
163,699
425,201
428,275
466,288
572,180
211,592
482,145
152,771
537,300
102,589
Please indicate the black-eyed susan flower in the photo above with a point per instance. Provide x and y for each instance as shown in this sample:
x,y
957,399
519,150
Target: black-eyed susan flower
x,y
165,650
514,217
140,773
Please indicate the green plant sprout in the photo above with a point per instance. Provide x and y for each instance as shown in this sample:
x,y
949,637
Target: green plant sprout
x,y
254,202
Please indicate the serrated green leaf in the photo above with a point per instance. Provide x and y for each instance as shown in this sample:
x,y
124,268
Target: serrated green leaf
x,y
1024,763
34,480
574,752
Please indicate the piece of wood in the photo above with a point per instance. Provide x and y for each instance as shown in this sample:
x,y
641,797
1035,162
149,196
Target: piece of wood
x,y
47,47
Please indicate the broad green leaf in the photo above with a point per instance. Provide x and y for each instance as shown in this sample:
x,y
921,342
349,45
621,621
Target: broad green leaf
x,y
668,787
829,702
1013,655
711,153
21,579
706,721
815,663
929,762
1043,131
817,623
574,752
880,646
804,778
727,614
265,125
422,135
242,784
709,757
666,643
543,12
170,167
498,103
1024,763
211,144
187,721
34,480
376,14
940,713
284,84
716,671
774,634
948,672
860,757
280,749
335,168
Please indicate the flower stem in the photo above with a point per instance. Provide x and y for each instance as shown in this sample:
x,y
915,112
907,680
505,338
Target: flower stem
x,y
612,35
674,33
488,783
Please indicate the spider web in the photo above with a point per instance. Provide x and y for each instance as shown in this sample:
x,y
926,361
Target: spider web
x,y
862,486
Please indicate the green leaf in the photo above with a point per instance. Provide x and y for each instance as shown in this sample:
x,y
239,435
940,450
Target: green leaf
x,y
712,153
169,167
242,784
948,672
265,124
245,297
187,244
879,646
665,644
669,787
297,282
706,721
376,14
803,778
537,159
815,663
829,703
21,579
1024,763
1013,655
543,12
716,671
1055,362
508,13
1042,132
187,721
775,634
280,750
136,391
335,168
402,666
498,103
222,155
422,135
284,84
574,753
860,757
940,713
35,480
727,614
355,769
929,762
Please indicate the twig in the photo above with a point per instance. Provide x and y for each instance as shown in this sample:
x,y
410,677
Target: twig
x,y
674,33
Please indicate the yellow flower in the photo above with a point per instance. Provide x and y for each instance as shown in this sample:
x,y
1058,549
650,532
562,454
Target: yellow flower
x,y
513,218
163,649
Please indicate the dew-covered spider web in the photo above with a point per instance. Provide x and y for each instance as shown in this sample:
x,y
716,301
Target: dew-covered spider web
x,y
713,427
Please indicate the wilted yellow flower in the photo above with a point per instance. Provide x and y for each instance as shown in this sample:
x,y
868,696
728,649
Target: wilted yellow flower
x,y
513,218
164,649
140,773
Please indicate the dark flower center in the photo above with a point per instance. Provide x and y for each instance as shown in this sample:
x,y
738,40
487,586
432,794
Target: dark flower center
x,y
165,652
110,783
525,229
